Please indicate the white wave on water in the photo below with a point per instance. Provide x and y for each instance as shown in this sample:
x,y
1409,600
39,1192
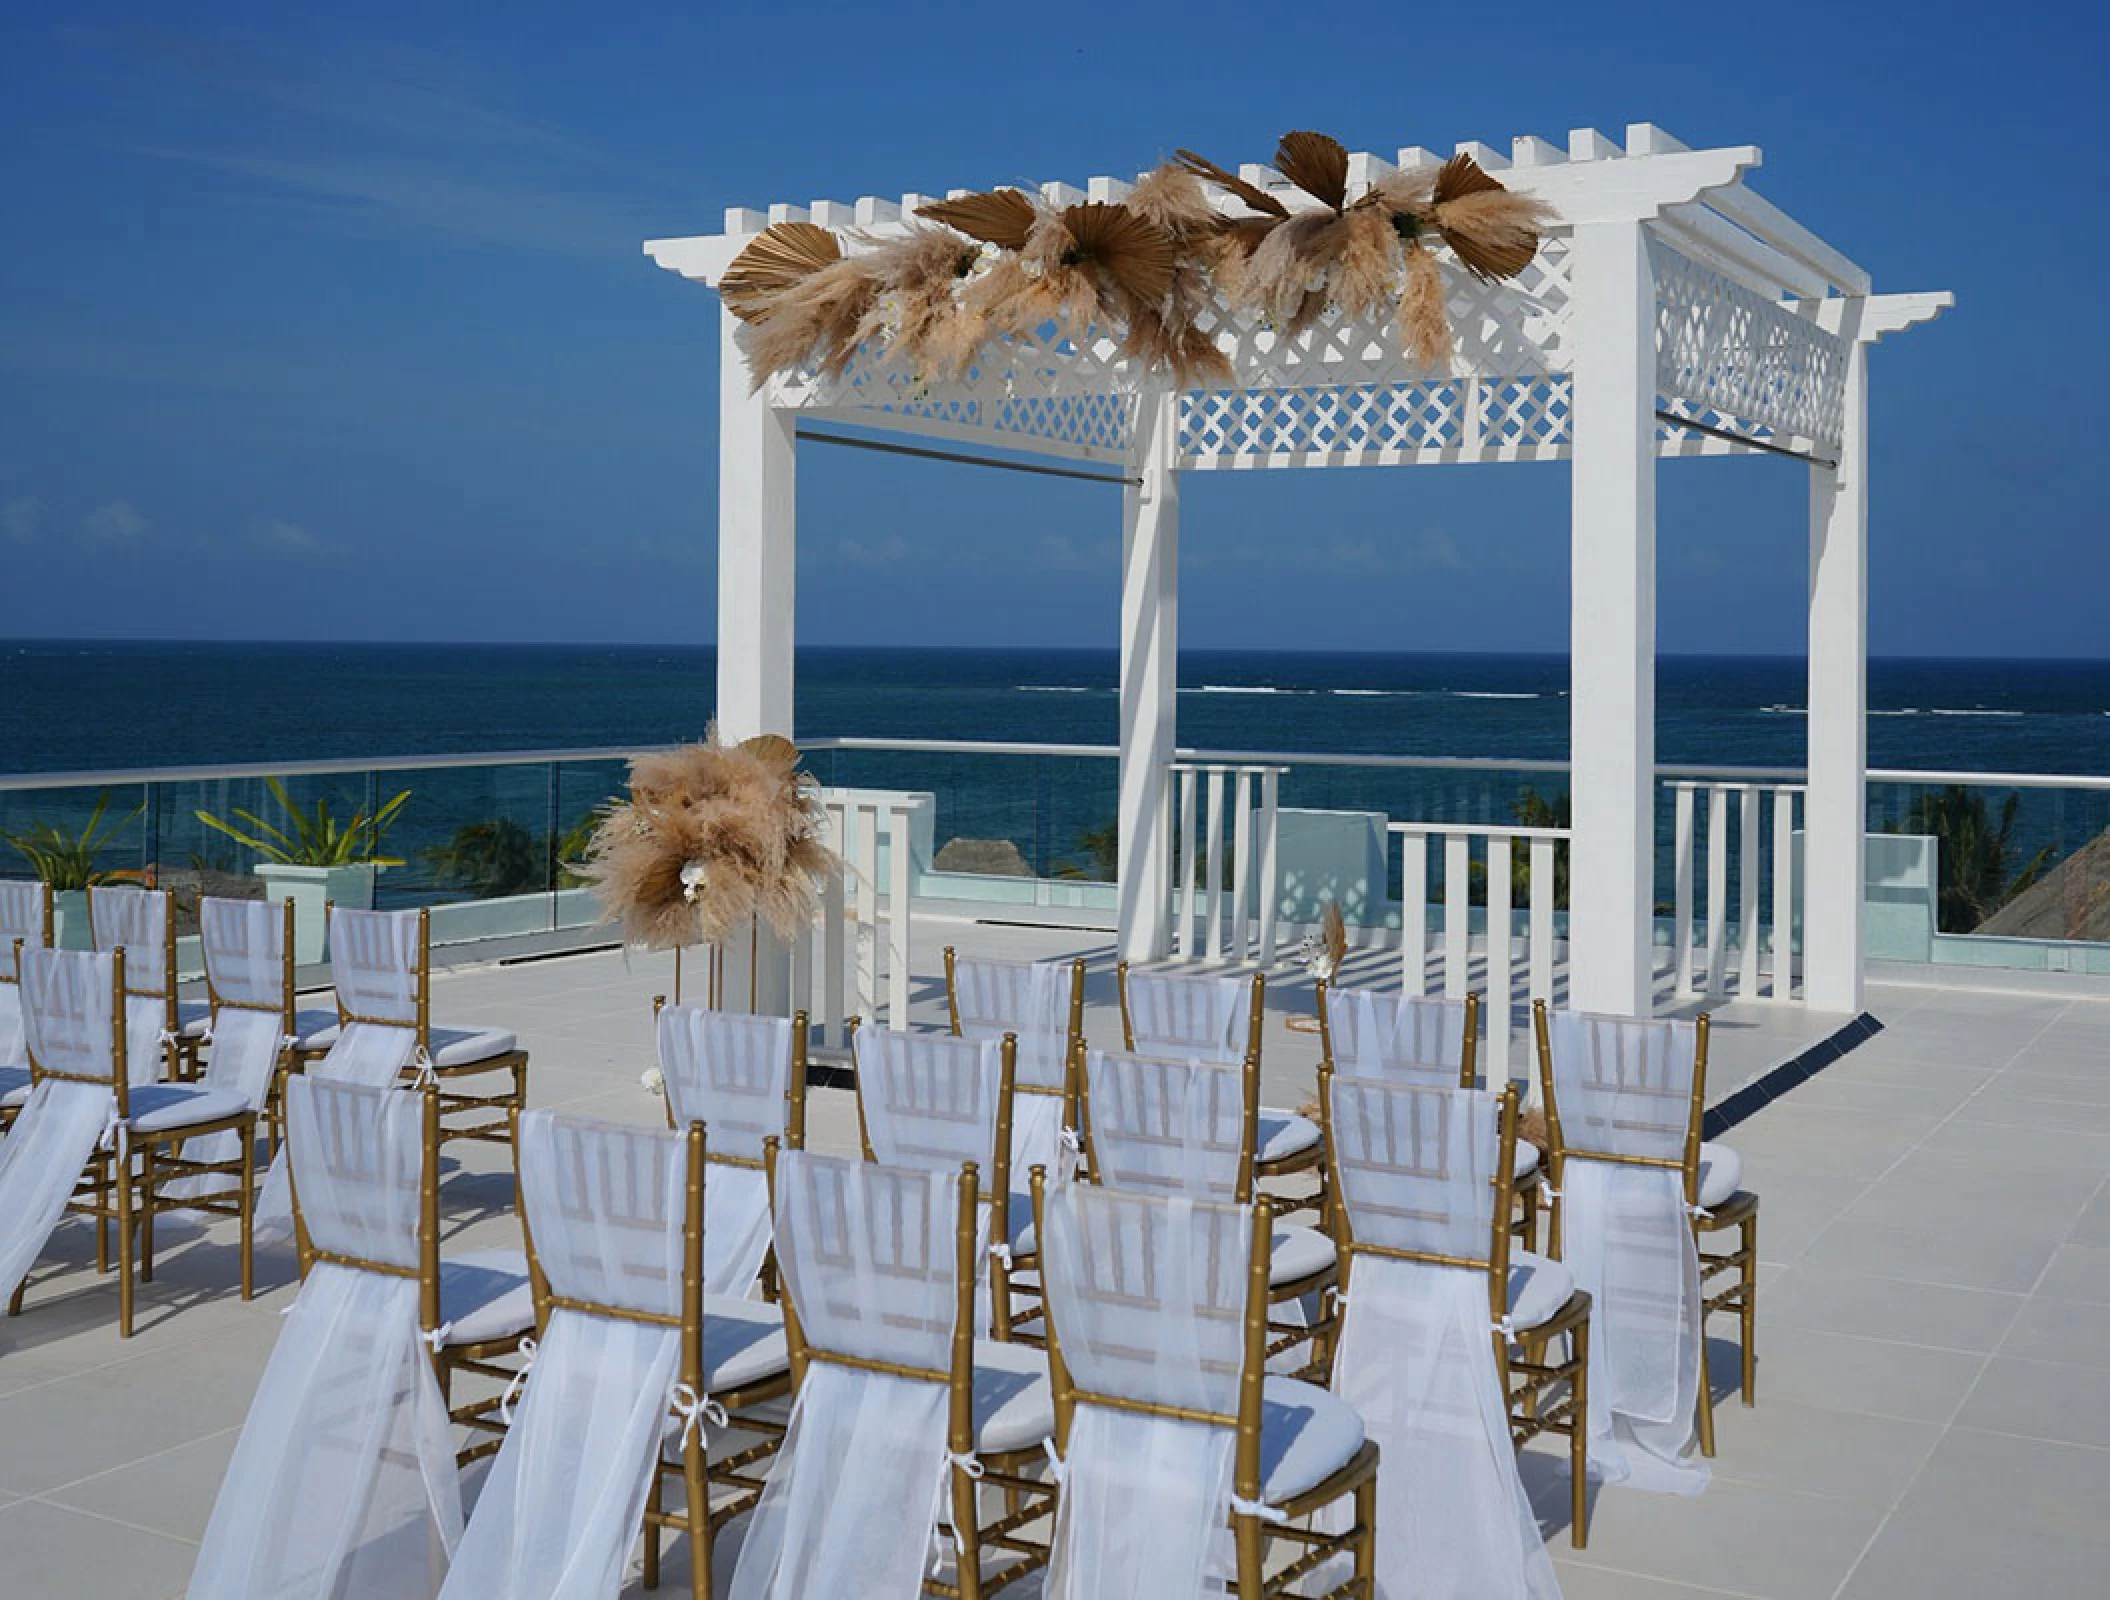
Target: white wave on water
x,y
1785,711
1404,694
1244,688
1054,688
1489,694
1974,711
1906,711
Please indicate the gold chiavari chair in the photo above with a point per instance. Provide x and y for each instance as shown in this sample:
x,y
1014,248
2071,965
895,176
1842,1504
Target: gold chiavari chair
x,y
74,1016
986,999
142,923
931,1102
1296,1448
999,1403
381,963
474,1309
1532,1300
25,922
1426,1040
1158,1125
1708,1174
1223,1017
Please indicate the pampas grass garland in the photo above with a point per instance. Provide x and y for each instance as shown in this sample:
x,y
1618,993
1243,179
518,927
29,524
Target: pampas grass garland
x,y
1143,272
711,836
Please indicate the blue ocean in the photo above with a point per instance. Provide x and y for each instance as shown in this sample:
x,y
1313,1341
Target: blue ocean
x,y
87,707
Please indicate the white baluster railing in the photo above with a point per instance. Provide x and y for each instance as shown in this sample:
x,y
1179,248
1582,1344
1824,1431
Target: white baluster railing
x,y
832,978
1764,814
1205,927
1496,847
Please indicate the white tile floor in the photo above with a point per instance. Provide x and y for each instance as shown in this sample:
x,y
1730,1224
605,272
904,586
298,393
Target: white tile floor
x,y
1934,1413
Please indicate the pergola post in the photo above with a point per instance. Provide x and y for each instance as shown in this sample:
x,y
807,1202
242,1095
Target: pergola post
x,y
1612,650
757,548
757,564
1150,544
1834,858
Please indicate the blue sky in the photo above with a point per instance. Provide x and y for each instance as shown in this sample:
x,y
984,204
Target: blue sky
x,y
338,327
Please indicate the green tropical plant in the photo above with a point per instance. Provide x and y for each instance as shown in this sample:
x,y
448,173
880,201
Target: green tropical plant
x,y
66,859
1101,848
572,849
314,838
1974,854
1534,810
494,857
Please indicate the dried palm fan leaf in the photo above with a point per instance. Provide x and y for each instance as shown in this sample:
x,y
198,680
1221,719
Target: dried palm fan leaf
x,y
1258,198
1002,217
816,321
1084,265
1317,163
1493,231
781,255
712,835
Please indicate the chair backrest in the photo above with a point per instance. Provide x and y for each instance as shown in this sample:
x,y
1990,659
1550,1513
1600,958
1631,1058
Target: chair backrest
x,y
614,1220
1404,1038
742,1077
1167,1125
25,914
878,1263
1216,1016
1154,1303
365,1179
248,947
1041,1002
933,1102
73,1016
1629,1090
379,961
142,923
1423,1173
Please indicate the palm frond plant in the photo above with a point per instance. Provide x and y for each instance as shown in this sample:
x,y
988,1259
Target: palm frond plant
x,y
315,837
66,858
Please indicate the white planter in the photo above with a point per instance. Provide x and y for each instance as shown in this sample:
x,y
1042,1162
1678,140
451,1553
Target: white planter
x,y
70,928
312,890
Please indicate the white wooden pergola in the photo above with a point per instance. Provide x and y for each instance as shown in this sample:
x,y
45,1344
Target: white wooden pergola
x,y
1670,312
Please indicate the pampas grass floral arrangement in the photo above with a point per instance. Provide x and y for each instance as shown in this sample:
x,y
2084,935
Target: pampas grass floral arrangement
x,y
1143,272
713,838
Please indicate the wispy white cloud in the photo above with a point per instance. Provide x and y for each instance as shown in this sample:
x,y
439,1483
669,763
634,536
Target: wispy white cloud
x,y
285,538
888,552
21,519
114,522
401,146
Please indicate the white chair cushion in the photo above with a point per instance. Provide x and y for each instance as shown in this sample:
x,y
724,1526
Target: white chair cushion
x,y
1284,1134
1014,1406
314,1030
485,1295
1019,1223
1721,1173
743,1343
193,1019
451,1047
1538,1287
1297,1253
172,1107
1306,1435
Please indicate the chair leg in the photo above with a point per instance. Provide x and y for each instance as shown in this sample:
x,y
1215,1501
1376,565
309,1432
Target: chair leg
x,y
1706,1397
1579,1440
696,1484
966,1535
148,1181
655,1503
121,1162
1747,1311
1252,1568
1366,1538
247,1201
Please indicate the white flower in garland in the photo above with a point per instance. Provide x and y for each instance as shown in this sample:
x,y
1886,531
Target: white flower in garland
x,y
694,877
653,1079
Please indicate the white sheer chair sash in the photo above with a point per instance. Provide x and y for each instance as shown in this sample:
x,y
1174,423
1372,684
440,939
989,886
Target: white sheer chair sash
x,y
1395,1036
136,921
247,1046
343,1480
1163,1125
244,943
376,962
41,1158
22,902
69,1012
358,1155
369,1054
729,1072
1029,999
1179,1013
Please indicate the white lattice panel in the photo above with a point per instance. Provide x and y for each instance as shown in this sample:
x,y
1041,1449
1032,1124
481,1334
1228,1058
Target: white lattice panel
x,y
1731,358
1342,391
